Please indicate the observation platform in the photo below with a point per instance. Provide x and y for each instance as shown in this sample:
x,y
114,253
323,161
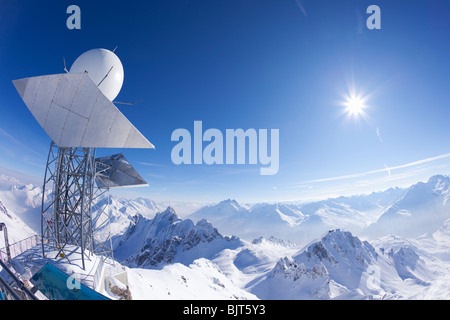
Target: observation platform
x,y
61,277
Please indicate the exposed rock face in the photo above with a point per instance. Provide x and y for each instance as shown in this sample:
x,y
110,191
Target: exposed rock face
x,y
167,239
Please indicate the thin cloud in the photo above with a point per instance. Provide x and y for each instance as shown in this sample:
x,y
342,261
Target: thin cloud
x,y
379,135
302,8
388,170
362,174
149,164
18,143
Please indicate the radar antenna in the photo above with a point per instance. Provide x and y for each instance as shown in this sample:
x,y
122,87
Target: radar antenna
x,y
80,117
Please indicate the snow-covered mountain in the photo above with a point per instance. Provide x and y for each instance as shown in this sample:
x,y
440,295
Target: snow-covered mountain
x,y
299,223
423,208
443,233
166,238
122,211
260,220
354,212
16,228
17,208
191,258
25,202
225,211
341,266
338,256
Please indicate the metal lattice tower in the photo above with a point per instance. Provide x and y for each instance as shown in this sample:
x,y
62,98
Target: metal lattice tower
x,y
78,211
67,220
77,112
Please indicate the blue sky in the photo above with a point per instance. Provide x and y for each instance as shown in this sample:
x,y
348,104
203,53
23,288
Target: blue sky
x,y
261,64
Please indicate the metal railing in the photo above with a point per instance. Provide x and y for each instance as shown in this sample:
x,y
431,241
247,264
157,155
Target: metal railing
x,y
16,284
7,292
19,247
92,280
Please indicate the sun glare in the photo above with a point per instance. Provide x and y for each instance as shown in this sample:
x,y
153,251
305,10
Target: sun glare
x,y
355,105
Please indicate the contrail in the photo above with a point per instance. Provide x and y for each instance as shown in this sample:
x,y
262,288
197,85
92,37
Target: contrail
x,y
379,135
388,170
300,5
358,175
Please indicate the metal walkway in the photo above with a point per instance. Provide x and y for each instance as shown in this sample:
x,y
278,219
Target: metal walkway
x,y
14,289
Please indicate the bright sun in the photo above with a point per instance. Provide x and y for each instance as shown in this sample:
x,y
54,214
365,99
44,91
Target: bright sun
x,y
355,105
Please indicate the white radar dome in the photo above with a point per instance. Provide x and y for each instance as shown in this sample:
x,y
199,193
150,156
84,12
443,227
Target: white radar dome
x,y
104,68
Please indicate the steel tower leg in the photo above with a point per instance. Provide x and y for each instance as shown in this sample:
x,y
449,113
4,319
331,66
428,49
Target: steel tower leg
x,y
101,215
66,216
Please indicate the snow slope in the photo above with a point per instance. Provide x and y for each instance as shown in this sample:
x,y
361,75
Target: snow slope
x,y
25,202
202,279
17,230
423,209
246,264
16,203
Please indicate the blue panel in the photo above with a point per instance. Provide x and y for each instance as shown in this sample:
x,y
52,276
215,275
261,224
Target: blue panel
x,y
57,285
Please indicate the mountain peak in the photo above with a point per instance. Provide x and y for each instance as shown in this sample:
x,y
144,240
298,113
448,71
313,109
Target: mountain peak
x,y
439,183
169,216
229,202
170,209
273,241
338,247
226,209
167,239
438,178
168,212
